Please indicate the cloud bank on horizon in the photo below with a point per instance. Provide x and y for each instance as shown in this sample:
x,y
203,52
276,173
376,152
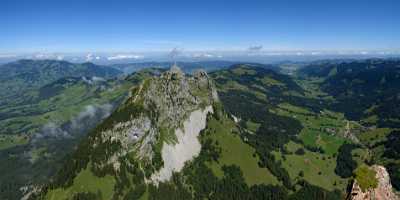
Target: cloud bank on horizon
x,y
250,54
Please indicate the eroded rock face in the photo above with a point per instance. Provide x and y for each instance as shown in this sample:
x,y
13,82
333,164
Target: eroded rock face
x,y
383,191
186,148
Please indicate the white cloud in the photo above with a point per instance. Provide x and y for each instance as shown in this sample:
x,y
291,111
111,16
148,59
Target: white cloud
x,y
125,56
314,53
91,112
255,48
97,79
205,55
47,56
89,57
60,57
175,52
43,56
7,56
51,129
273,54
92,80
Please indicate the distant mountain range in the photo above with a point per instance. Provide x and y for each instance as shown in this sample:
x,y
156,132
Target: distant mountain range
x,y
20,76
187,67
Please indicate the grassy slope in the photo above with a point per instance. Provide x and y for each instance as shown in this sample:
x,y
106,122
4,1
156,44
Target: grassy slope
x,y
366,178
315,132
374,136
312,88
318,168
235,151
85,181
8,141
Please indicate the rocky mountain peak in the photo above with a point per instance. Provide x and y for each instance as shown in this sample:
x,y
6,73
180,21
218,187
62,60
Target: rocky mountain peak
x,y
174,73
169,112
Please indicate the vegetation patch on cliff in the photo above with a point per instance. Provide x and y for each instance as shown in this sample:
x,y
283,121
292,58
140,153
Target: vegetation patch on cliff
x,y
366,178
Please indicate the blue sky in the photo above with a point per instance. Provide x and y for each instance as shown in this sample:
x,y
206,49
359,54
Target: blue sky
x,y
111,26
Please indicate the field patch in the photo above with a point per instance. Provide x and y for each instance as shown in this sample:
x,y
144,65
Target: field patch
x,y
315,168
374,136
243,71
321,130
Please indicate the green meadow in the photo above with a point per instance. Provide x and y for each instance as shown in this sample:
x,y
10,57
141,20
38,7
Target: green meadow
x,y
236,152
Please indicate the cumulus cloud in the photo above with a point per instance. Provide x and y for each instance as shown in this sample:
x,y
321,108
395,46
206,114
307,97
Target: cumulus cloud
x,y
90,112
92,80
98,79
89,57
205,55
51,129
60,57
86,80
175,52
47,56
314,53
255,48
41,56
125,56
81,123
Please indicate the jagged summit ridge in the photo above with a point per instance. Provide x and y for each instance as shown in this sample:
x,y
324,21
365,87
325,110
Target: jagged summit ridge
x,y
174,94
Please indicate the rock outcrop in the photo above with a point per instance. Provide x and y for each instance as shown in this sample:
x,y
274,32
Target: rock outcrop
x,y
383,191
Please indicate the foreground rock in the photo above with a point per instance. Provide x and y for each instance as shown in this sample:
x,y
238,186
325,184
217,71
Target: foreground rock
x,y
383,191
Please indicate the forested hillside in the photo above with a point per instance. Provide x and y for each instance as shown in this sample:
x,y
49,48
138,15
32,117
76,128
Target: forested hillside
x,y
366,90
